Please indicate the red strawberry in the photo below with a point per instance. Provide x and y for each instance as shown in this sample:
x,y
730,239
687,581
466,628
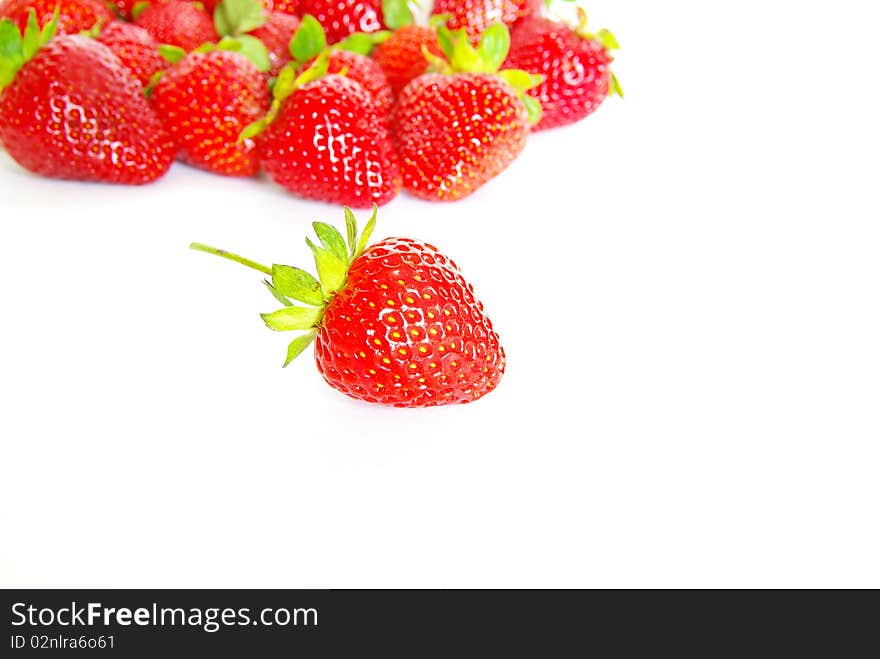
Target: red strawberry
x,y
401,56
74,111
177,23
576,66
456,131
310,41
477,15
394,323
205,101
342,17
329,142
73,15
135,48
276,34
367,73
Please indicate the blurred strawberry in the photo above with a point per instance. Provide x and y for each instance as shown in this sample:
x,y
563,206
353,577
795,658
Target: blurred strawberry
x,y
69,109
477,15
205,101
135,48
575,63
177,23
73,15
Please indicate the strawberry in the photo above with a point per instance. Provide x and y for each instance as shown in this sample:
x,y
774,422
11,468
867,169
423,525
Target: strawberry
x,y
576,66
70,109
310,40
325,136
135,48
367,73
73,15
327,141
342,17
458,129
276,34
401,56
475,16
395,323
177,23
205,101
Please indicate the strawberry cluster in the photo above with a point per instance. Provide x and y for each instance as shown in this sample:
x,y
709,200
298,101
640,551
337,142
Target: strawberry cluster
x,y
343,101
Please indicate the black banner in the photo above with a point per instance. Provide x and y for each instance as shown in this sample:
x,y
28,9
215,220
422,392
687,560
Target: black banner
x,y
133,623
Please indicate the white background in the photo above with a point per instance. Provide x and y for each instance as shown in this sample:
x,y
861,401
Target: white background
x,y
686,285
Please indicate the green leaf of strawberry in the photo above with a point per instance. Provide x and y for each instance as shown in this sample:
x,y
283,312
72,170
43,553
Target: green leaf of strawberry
x,y
396,14
237,17
309,40
16,49
332,240
299,344
292,318
297,284
332,259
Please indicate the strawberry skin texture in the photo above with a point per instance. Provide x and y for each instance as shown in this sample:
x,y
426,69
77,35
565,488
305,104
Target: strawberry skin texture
x,y
577,71
401,56
476,15
178,23
407,330
365,72
205,101
74,15
339,18
276,34
454,133
75,112
330,143
135,48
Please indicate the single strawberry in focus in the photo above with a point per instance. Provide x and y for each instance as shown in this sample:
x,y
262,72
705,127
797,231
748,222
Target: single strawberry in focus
x,y
475,16
177,23
456,130
69,109
135,48
73,15
205,101
395,323
575,63
340,18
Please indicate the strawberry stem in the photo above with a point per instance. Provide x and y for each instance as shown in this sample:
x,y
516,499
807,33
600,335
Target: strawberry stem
x,y
199,247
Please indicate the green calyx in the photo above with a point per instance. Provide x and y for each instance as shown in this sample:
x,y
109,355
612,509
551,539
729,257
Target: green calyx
x,y
396,14
486,57
17,48
333,256
233,19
